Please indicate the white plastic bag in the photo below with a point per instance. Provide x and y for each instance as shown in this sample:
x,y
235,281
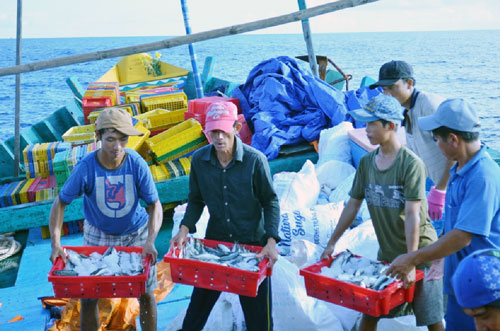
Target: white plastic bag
x,y
334,144
226,315
360,240
332,173
201,226
315,224
297,190
341,192
292,308
304,253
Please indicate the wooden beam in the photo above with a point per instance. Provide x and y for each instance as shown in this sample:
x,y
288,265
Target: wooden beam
x,y
183,40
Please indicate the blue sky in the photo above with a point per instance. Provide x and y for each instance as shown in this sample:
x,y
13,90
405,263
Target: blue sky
x,y
92,18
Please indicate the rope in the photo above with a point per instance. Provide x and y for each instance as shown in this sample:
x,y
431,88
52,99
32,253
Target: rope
x,y
8,246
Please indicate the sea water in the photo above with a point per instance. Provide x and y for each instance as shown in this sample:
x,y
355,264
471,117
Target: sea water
x,y
451,63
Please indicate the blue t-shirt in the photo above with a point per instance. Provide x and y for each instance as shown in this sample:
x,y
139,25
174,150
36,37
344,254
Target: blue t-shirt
x,y
472,205
111,197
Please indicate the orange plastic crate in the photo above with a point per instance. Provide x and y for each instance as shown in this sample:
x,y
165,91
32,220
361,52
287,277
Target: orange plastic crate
x,y
218,277
99,286
365,300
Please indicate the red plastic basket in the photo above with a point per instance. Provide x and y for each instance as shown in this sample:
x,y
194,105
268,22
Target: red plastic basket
x,y
217,277
365,300
99,286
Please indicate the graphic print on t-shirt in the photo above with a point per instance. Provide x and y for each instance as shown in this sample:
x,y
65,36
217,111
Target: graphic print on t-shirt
x,y
388,196
115,195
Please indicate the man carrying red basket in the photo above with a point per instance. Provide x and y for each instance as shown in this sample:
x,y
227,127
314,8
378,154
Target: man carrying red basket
x,y
234,181
392,180
112,180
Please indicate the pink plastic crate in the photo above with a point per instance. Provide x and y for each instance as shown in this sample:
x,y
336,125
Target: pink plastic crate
x,y
197,107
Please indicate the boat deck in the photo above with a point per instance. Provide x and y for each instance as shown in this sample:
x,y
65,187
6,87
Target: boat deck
x,y
23,298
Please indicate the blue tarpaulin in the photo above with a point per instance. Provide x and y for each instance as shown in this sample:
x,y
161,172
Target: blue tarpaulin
x,y
285,105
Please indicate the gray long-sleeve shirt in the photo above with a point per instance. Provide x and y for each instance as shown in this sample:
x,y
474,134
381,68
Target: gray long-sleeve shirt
x,y
241,200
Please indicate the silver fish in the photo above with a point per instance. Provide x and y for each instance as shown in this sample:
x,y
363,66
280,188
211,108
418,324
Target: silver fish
x,y
236,257
358,270
112,262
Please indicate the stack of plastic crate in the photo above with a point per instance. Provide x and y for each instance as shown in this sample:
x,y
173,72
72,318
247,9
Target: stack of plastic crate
x,y
159,120
176,100
65,161
38,158
100,95
171,169
177,141
135,95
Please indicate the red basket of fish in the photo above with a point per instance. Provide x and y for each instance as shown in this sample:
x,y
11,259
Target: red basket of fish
x,y
219,266
100,272
366,288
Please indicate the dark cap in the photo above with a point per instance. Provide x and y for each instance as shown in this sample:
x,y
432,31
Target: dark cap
x,y
391,72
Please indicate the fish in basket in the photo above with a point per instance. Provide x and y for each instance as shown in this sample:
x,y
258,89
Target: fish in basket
x,y
100,272
356,282
217,265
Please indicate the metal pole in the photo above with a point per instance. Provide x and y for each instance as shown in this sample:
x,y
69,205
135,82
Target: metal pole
x,y
306,30
17,125
196,74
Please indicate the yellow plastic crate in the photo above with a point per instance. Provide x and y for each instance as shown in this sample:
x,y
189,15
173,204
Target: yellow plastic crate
x,y
170,101
92,117
177,141
171,169
82,134
131,97
143,150
161,119
136,142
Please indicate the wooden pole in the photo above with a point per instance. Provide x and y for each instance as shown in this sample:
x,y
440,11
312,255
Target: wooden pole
x,y
183,40
306,31
17,121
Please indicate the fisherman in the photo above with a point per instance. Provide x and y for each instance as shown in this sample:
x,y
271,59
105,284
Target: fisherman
x,y
472,212
477,289
392,180
112,180
233,180
397,79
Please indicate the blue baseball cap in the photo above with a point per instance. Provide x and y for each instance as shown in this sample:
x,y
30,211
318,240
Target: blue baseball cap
x,y
379,107
476,281
455,114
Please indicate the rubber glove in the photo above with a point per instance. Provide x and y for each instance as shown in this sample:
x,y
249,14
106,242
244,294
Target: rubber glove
x,y
436,203
436,270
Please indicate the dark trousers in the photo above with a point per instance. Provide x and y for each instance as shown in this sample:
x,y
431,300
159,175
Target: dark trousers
x,y
257,311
